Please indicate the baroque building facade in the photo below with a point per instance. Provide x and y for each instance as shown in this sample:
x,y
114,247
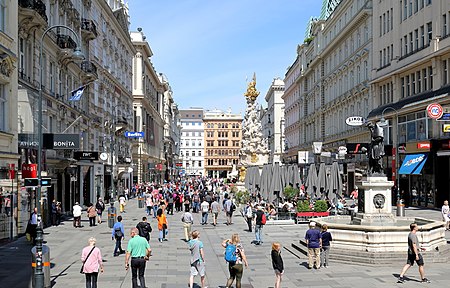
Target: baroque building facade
x,y
329,80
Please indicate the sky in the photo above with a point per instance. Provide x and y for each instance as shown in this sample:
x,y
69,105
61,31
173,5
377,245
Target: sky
x,y
209,49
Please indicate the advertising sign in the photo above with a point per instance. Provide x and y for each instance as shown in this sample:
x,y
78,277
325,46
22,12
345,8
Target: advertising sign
x,y
357,148
355,121
129,134
29,171
435,111
61,141
85,155
446,128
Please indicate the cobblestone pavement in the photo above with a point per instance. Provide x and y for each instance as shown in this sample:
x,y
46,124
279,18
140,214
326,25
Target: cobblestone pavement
x,y
169,265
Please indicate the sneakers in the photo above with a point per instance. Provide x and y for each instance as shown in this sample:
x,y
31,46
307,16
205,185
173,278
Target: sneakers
x,y
425,280
401,280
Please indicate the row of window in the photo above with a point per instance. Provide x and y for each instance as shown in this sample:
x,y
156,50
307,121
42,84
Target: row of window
x,y
386,55
386,93
222,162
193,134
187,153
415,40
223,125
408,7
190,123
188,143
222,143
417,82
386,22
222,134
191,164
220,152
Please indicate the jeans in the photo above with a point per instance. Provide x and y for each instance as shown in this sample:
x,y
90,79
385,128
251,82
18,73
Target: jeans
x,y
92,221
118,249
170,209
149,210
195,206
258,233
91,279
313,257
162,234
204,217
325,255
155,209
138,264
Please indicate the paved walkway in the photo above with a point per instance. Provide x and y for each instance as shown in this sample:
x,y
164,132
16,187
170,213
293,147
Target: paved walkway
x,y
169,265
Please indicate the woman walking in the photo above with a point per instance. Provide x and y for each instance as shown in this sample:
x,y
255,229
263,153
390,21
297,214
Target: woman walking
x,y
92,262
235,266
325,250
277,263
162,224
91,213
445,214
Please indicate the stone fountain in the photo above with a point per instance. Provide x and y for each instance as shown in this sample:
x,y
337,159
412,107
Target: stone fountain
x,y
374,235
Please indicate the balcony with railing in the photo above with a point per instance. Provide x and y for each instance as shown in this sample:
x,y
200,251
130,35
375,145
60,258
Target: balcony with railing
x,y
88,29
65,42
90,71
34,9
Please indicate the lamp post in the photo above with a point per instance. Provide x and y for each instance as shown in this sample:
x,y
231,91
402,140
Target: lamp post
x,y
395,143
77,55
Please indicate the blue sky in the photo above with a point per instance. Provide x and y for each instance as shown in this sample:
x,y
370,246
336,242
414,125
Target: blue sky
x,y
208,49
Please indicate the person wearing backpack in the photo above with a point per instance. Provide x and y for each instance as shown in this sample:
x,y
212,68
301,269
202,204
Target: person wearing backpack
x,y
118,234
100,207
260,221
144,228
235,256
197,259
248,214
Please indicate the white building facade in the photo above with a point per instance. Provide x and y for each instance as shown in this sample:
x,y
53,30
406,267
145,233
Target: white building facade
x,y
191,141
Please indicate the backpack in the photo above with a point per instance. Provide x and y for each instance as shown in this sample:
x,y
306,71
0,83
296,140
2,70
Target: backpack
x,y
233,207
144,229
263,219
118,233
230,253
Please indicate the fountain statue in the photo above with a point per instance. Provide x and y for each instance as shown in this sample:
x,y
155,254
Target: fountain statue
x,y
254,148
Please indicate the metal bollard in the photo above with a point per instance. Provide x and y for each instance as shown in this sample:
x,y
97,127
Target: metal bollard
x,y
111,215
140,202
400,208
44,261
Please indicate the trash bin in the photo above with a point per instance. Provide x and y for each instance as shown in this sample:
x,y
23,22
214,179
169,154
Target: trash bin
x,y
111,215
401,208
45,265
140,202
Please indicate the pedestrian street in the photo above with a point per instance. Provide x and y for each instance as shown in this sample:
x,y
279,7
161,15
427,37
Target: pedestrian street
x,y
169,265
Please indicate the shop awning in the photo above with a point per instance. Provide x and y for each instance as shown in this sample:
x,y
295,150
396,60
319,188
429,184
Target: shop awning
x,y
413,164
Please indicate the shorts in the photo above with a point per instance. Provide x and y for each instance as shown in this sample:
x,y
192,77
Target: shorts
x,y
412,258
198,268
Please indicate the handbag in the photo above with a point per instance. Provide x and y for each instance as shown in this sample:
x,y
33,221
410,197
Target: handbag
x,y
164,226
82,266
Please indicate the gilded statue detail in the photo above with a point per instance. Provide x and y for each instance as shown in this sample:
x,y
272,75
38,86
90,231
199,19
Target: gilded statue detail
x,y
251,94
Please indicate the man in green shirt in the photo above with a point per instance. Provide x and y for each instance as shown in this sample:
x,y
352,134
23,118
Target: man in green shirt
x,y
139,251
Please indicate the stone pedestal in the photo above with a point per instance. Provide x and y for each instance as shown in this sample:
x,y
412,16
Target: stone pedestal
x,y
377,202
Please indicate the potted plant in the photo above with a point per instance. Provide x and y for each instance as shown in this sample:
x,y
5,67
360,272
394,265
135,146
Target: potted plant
x,y
303,206
290,192
320,208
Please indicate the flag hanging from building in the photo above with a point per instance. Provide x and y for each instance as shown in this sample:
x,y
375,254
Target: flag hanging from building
x,y
77,93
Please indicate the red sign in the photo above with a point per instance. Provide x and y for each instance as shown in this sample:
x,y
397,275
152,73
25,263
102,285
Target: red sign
x,y
179,164
12,171
435,111
29,171
423,145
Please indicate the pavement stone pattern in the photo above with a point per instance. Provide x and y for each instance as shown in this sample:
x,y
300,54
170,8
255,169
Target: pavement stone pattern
x,y
169,264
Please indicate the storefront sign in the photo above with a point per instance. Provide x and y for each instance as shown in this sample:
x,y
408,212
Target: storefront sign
x,y
129,134
413,164
29,171
423,145
85,155
445,117
446,128
435,111
355,121
357,148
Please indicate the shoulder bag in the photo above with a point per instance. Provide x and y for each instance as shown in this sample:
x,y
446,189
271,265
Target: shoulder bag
x,y
82,266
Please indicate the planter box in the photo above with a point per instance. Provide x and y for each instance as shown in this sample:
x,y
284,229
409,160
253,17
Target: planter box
x,y
304,216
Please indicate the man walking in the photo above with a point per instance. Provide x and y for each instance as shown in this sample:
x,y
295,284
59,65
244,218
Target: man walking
x,y
259,224
205,210
413,255
197,259
248,214
76,215
215,209
144,228
228,207
139,251
187,220
314,243
118,234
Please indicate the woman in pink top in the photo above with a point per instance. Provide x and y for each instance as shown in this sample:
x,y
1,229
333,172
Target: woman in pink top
x,y
92,263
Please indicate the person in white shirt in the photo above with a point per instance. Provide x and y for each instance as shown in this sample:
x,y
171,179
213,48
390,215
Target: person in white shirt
x,y
215,209
76,215
122,203
205,210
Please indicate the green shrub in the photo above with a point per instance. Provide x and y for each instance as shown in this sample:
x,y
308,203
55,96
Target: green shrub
x,y
290,192
320,206
303,206
242,197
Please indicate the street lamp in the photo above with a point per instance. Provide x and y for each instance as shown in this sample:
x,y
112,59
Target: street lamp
x,y
395,143
77,55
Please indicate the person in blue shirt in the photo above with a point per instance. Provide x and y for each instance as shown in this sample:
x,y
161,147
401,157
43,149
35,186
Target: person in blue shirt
x,y
314,243
118,234
197,259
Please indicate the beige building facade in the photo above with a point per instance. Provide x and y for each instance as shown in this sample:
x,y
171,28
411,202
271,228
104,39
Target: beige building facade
x,y
410,71
222,142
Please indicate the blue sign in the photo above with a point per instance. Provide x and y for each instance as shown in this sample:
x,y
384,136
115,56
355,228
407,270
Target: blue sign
x,y
444,117
413,164
129,134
